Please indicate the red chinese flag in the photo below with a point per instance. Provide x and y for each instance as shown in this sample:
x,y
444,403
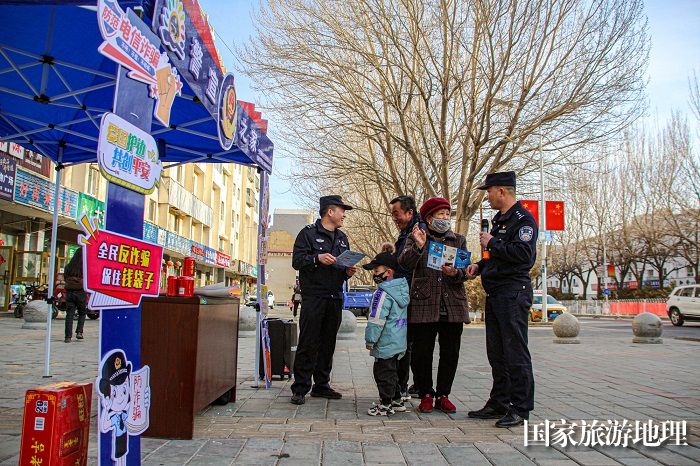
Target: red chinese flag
x,y
554,216
533,207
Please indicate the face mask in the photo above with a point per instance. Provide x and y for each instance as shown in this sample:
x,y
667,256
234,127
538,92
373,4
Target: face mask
x,y
379,278
440,225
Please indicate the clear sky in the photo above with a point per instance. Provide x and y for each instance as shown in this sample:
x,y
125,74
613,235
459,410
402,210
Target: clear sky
x,y
674,26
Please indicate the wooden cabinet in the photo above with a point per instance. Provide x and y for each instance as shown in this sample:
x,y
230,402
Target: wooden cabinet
x,y
192,350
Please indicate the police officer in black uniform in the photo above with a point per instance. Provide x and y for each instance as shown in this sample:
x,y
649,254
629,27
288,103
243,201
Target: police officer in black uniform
x,y
315,251
506,280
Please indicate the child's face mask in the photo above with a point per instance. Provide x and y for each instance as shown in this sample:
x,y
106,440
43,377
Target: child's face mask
x,y
379,277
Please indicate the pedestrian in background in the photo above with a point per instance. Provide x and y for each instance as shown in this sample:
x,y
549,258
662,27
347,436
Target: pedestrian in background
x,y
296,298
512,246
76,298
404,213
321,282
438,306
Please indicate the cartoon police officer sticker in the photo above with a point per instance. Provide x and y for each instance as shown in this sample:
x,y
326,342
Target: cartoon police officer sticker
x,y
525,233
125,400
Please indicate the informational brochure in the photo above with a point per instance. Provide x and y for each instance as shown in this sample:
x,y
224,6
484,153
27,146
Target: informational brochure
x,y
348,258
440,254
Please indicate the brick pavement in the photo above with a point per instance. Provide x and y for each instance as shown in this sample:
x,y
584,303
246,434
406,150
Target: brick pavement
x,y
605,377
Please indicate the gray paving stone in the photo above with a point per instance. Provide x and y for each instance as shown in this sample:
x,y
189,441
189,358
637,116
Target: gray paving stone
x,y
462,455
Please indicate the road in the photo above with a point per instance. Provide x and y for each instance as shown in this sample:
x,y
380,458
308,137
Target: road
x,y
688,330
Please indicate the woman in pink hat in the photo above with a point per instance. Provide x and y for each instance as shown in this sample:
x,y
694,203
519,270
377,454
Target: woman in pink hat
x,y
438,306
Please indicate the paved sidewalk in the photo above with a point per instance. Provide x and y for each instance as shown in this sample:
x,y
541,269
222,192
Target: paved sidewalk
x,y
605,377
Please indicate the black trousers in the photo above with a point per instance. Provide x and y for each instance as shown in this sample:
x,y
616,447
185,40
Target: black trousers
x,y
296,306
75,299
387,379
404,364
319,322
507,351
450,338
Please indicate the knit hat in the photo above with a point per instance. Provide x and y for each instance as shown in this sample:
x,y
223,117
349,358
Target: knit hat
x,y
433,204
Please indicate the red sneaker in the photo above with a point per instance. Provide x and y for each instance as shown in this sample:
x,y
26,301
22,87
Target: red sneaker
x,y
445,405
426,404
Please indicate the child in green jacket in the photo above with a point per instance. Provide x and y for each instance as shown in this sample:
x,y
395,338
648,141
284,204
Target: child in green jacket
x,y
385,335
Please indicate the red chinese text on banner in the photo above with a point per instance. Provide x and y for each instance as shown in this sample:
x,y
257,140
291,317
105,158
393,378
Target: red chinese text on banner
x,y
118,270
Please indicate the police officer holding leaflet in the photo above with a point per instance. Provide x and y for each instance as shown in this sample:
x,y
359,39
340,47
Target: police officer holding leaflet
x,y
506,279
321,281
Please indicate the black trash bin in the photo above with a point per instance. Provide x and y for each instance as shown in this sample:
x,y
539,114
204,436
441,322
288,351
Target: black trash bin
x,y
283,346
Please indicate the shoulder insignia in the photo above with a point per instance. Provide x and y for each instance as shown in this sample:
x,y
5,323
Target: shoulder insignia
x,y
311,225
526,233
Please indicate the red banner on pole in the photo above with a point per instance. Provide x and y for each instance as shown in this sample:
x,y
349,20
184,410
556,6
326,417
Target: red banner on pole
x,y
534,208
554,216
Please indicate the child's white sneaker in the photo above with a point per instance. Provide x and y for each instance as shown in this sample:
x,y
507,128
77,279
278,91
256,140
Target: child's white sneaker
x,y
398,406
380,410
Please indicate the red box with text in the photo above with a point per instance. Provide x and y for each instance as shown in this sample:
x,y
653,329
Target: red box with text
x,y
56,425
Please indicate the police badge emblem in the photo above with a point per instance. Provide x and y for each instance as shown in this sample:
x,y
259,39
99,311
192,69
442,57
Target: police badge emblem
x,y
525,233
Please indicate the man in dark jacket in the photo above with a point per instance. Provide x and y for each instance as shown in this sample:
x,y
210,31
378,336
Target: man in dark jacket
x,y
75,295
405,215
321,281
506,279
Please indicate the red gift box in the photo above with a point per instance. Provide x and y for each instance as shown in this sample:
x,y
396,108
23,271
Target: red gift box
x,y
56,425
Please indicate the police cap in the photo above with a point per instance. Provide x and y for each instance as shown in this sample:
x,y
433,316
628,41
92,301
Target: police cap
x,y
499,179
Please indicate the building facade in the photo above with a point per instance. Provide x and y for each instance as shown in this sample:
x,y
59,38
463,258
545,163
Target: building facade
x,y
206,211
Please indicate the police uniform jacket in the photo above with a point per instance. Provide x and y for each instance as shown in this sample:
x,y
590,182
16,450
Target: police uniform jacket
x,y
513,251
315,278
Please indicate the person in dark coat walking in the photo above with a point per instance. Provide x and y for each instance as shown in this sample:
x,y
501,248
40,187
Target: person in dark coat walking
x,y
438,306
321,281
512,244
76,298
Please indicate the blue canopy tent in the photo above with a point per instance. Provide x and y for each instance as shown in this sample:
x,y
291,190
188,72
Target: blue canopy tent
x,y
55,86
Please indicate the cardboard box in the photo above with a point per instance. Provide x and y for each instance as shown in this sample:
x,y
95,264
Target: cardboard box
x,y
56,425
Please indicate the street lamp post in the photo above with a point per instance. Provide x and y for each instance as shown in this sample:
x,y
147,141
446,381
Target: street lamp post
x,y
543,227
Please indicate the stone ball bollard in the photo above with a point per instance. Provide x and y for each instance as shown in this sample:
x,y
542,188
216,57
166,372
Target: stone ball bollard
x,y
347,326
35,315
647,328
246,322
566,328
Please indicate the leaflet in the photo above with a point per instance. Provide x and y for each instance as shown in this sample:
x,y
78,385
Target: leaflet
x,y
348,258
440,254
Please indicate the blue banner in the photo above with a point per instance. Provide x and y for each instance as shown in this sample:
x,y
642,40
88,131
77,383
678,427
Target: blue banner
x,y
37,192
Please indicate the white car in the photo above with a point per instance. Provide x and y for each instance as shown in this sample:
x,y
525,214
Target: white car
x,y
683,304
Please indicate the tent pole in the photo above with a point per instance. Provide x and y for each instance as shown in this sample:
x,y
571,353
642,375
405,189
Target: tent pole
x,y
260,280
52,264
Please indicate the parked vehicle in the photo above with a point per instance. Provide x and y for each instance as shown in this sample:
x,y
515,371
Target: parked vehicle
x,y
357,299
684,304
24,294
554,307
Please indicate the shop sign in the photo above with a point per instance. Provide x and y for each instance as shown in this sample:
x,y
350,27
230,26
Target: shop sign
x,y
7,177
37,192
209,255
92,207
36,163
118,269
223,260
150,232
70,251
129,42
127,155
15,150
177,243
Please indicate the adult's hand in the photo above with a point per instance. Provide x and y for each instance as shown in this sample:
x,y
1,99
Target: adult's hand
x,y
326,259
449,270
472,270
351,271
485,238
419,236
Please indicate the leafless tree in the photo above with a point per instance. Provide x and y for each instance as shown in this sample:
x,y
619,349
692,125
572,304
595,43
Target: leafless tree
x,y
425,97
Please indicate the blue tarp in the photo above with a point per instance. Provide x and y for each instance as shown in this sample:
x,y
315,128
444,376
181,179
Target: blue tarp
x,y
55,86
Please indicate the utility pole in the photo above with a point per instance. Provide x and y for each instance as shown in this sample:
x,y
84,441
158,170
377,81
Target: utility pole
x,y
543,227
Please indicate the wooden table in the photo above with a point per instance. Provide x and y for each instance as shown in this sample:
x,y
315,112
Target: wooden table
x,y
192,350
